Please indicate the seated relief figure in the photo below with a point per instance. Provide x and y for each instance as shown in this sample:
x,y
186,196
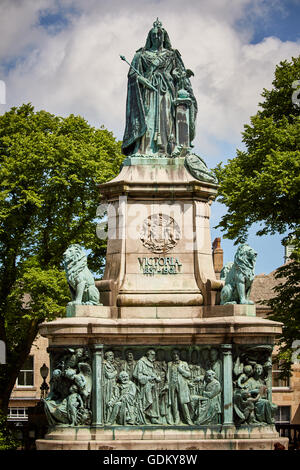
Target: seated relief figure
x,y
251,403
161,392
69,400
122,407
60,411
207,406
244,407
158,83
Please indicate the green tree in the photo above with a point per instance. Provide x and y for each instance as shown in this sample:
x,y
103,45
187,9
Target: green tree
x,y
262,185
285,307
49,175
8,440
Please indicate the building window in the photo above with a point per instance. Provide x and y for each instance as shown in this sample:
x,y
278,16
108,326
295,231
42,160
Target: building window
x,y
283,414
17,414
26,376
277,381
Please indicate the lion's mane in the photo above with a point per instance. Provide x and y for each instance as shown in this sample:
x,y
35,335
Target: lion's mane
x,y
245,258
75,261
240,273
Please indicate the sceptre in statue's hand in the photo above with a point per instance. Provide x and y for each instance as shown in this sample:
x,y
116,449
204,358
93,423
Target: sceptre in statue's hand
x,y
140,76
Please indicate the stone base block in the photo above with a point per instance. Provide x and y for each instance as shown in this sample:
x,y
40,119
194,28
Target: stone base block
x,y
150,331
94,311
170,299
220,444
154,438
229,310
160,311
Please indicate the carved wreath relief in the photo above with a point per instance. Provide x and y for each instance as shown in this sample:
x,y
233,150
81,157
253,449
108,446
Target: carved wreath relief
x,y
162,386
160,233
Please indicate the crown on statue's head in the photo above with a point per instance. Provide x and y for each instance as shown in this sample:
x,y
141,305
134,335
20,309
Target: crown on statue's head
x,y
157,23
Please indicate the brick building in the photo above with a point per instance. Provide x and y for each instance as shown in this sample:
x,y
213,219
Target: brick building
x,y
285,393
26,392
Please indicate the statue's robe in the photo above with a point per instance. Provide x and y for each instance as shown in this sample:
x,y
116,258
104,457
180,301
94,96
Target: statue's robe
x,y
150,115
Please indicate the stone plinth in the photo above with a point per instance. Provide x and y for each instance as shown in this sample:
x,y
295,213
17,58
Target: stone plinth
x,y
233,331
185,359
231,310
159,246
160,311
118,438
89,330
159,365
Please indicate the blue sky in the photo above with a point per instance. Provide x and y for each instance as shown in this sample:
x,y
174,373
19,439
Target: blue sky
x,y
281,21
63,56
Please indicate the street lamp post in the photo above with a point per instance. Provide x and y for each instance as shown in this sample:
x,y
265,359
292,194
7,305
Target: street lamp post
x,y
44,370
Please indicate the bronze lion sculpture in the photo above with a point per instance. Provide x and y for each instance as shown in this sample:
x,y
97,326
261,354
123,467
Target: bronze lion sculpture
x,y
238,277
79,277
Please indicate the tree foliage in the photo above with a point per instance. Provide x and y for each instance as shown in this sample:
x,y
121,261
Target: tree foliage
x,y
49,171
8,440
285,307
262,185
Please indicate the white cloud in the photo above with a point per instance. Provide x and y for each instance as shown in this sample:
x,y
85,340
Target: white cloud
x,y
16,25
78,70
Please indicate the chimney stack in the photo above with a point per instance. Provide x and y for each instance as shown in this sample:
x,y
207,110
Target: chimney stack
x,y
217,253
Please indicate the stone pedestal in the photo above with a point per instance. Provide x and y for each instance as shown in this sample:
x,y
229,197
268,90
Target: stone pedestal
x,y
159,296
159,246
155,438
229,334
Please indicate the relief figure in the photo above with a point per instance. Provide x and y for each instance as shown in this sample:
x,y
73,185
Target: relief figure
x,y
122,407
109,377
129,364
147,379
71,383
208,408
178,375
251,402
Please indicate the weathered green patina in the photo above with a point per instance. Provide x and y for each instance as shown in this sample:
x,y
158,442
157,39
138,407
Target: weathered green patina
x,y
198,169
69,402
156,76
252,378
161,385
238,277
161,107
80,279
